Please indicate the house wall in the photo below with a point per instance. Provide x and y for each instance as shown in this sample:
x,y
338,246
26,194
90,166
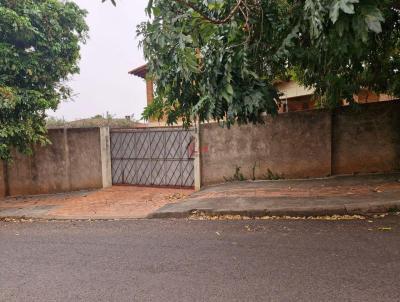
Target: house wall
x,y
296,145
291,89
75,160
300,103
366,96
314,143
149,91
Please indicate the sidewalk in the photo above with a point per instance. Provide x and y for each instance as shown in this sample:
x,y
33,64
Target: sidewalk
x,y
331,196
119,202
337,195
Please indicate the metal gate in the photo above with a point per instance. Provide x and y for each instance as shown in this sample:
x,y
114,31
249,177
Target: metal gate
x,y
153,157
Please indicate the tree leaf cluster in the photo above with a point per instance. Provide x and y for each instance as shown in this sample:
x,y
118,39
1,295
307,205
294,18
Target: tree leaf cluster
x,y
209,70
39,48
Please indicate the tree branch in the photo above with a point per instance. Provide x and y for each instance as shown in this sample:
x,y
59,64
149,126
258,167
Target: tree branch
x,y
209,19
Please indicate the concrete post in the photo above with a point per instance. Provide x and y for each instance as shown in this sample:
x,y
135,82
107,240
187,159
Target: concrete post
x,y
4,187
105,151
197,159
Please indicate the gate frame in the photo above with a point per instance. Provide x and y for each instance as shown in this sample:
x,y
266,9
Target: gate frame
x,y
196,153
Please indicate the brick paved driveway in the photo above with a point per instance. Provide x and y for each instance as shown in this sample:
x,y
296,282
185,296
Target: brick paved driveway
x,y
112,203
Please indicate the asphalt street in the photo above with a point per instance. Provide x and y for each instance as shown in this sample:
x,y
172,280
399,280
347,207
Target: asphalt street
x,y
182,260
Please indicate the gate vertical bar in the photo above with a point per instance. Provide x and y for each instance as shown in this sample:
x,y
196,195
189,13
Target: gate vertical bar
x,y
134,165
197,158
151,158
181,156
164,168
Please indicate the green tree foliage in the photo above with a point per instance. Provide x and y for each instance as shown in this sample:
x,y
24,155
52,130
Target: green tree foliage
x,y
218,59
39,49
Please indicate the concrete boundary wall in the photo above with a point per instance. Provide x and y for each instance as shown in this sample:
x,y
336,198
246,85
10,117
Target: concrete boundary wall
x,y
368,140
3,192
76,159
296,145
315,143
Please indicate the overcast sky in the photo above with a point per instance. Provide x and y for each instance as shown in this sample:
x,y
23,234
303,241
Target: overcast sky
x,y
103,83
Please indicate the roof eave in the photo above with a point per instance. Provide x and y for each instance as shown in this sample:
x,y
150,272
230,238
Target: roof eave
x,y
140,72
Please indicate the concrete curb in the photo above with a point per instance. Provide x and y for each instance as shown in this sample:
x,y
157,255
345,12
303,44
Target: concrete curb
x,y
347,209
363,209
